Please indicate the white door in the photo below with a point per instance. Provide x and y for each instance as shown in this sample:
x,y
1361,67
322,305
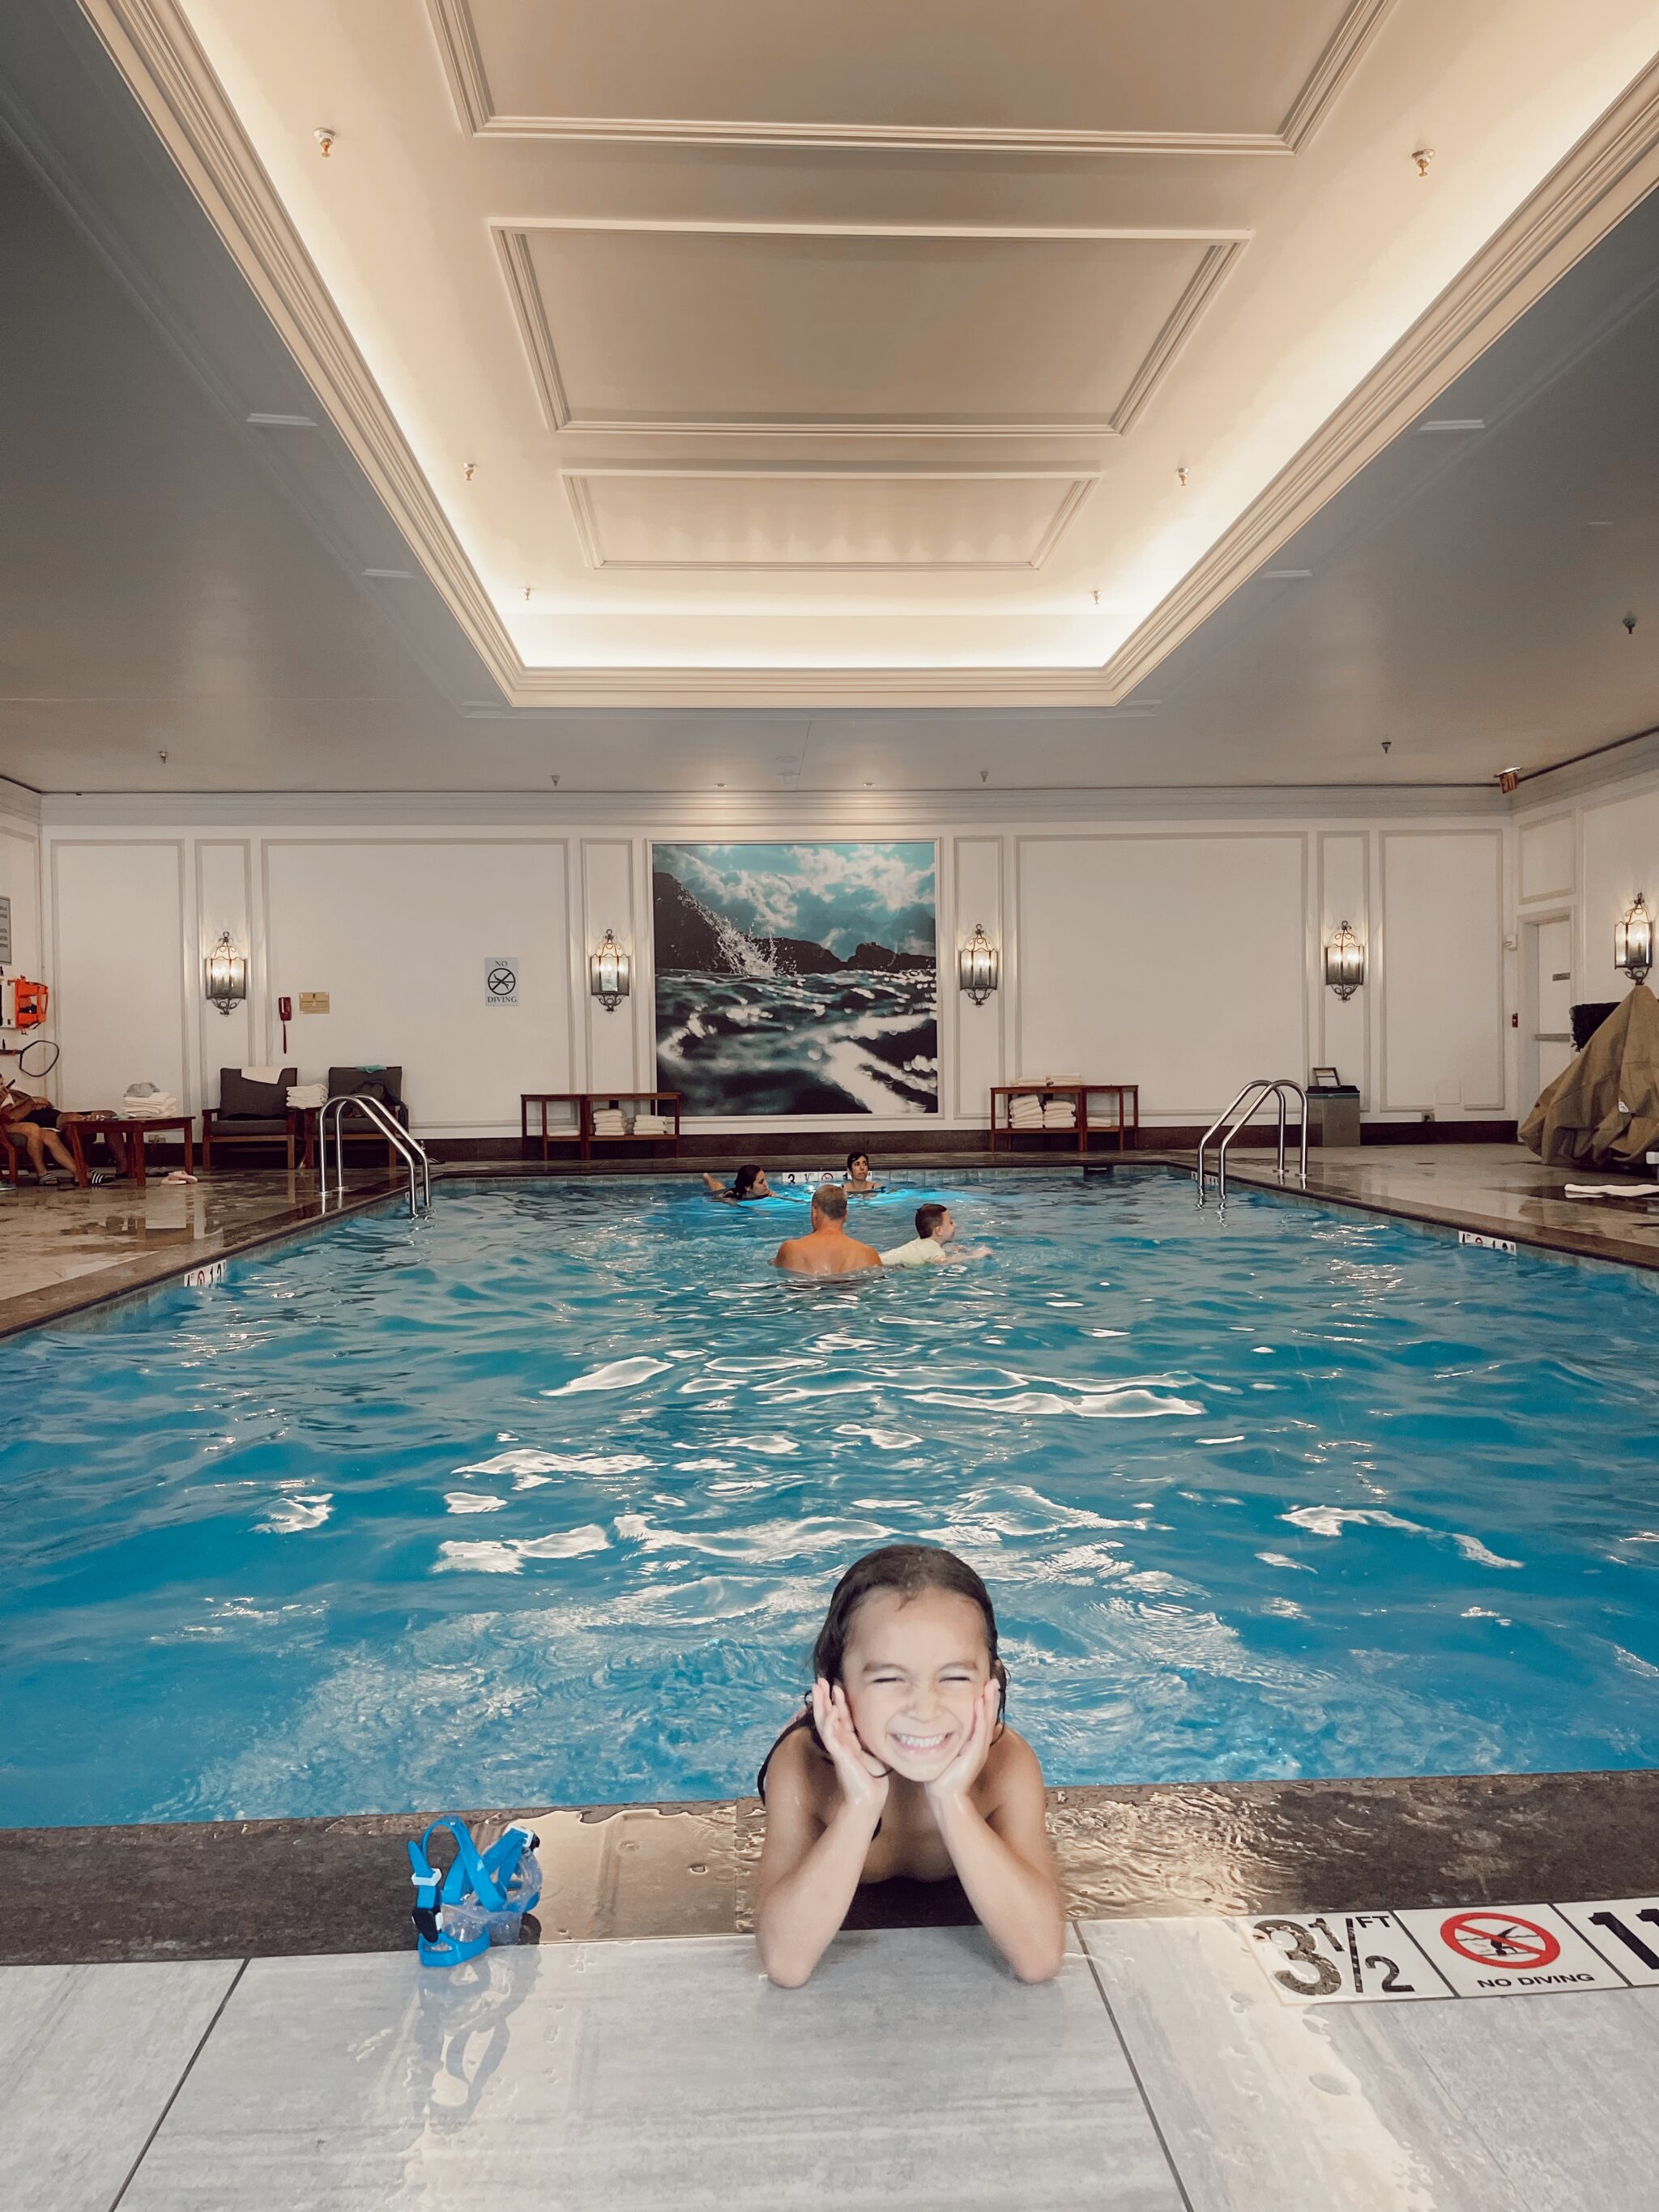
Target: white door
x,y
1552,1022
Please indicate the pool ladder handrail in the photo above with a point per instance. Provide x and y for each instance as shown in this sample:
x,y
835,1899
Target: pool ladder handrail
x,y
411,1149
1235,1117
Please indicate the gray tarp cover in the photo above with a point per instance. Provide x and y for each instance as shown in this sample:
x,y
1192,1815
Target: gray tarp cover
x,y
1602,1110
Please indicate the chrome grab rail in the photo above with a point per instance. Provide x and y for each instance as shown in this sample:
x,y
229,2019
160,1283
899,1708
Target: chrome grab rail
x,y
411,1151
1231,1121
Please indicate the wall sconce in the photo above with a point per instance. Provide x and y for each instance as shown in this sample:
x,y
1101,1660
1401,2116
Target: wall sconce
x,y
225,975
1632,941
1345,963
979,966
609,973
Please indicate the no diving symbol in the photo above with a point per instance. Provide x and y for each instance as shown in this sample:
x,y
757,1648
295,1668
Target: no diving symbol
x,y
1499,1939
502,982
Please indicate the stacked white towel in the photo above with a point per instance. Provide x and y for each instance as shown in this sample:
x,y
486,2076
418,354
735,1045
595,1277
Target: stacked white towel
x,y
610,1121
261,1074
652,1125
303,1095
1025,1112
1060,1114
142,1102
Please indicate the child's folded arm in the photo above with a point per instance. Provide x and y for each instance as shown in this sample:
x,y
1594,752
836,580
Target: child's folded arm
x,y
809,1871
1004,1862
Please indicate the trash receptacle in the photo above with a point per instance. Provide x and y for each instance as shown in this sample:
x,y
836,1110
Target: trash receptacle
x,y
1333,1116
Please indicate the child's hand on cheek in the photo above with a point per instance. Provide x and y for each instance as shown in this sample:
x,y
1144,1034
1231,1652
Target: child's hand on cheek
x,y
863,1779
963,1770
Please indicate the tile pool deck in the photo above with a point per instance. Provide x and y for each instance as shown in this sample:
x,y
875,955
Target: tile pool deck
x,y
227,2014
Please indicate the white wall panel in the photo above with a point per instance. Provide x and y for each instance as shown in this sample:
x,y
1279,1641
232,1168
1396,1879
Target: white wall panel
x,y
1547,857
976,1060
1176,961
1621,857
1343,1025
399,933
20,882
118,1008
1442,975
609,894
224,900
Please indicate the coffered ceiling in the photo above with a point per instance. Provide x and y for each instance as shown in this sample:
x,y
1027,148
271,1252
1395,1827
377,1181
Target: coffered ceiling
x,y
887,354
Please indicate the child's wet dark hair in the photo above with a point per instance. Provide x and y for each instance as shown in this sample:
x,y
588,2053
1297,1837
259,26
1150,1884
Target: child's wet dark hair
x,y
743,1182
929,1219
907,1570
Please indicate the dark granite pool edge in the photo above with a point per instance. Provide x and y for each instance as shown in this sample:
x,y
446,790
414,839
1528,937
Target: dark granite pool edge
x,y
285,1888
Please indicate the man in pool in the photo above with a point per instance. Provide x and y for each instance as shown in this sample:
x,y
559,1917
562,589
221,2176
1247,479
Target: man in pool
x,y
826,1249
934,1230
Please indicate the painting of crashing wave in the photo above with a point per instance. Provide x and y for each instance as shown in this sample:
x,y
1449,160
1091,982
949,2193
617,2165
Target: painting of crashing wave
x,y
797,979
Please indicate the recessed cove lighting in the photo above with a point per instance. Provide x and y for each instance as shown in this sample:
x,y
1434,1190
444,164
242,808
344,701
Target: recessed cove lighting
x,y
1451,423
283,422
393,575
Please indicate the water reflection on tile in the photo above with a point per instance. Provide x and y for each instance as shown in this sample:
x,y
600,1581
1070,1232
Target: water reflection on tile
x,y
89,2057
912,2071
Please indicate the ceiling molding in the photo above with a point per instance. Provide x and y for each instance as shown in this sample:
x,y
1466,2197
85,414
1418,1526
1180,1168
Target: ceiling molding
x,y
1075,486
459,45
1613,167
805,687
871,814
153,45
1223,248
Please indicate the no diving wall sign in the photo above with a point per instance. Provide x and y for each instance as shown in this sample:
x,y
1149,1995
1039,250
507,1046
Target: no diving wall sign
x,y
501,981
1470,1951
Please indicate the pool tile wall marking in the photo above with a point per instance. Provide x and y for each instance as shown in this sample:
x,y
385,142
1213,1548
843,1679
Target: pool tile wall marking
x,y
1487,1244
1458,1951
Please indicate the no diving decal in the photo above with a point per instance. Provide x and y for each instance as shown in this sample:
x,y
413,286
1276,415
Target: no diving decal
x,y
1466,1951
501,981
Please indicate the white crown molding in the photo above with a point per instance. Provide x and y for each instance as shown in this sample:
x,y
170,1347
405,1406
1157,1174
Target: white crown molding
x,y
463,59
22,803
667,814
1075,484
1222,248
153,45
1613,167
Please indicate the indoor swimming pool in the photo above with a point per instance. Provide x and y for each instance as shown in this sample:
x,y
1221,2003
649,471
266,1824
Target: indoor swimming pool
x,y
540,1499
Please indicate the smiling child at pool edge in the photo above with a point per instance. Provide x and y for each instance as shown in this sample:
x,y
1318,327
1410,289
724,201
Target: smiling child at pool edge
x,y
903,1765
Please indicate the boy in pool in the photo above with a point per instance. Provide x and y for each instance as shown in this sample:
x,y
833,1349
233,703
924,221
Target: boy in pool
x,y
934,1230
904,1766
748,1182
857,1183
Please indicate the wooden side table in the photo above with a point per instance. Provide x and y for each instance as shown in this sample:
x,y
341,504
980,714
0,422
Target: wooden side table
x,y
135,1131
653,1098
1076,1092
576,1135
1127,1095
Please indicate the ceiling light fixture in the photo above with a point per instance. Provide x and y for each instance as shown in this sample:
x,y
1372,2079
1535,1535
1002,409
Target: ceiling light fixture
x,y
393,575
282,422
1450,422
1629,620
1285,575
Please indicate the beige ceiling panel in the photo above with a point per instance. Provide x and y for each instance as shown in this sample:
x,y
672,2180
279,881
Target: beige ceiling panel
x,y
781,331
786,520
1088,74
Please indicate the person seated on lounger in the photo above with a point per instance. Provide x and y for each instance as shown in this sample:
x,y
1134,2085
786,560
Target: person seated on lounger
x,y
748,1182
103,1125
826,1249
857,1183
33,1122
934,1230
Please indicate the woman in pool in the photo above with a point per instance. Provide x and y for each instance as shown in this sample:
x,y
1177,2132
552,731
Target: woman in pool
x,y
902,1765
857,1183
748,1182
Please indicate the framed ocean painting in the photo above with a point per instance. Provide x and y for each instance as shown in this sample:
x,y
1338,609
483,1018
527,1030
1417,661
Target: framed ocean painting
x,y
797,979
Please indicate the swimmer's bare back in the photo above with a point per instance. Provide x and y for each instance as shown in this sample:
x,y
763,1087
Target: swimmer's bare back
x,y
821,1253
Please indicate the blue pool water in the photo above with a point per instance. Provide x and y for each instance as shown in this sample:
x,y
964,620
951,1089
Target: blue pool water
x,y
540,1499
